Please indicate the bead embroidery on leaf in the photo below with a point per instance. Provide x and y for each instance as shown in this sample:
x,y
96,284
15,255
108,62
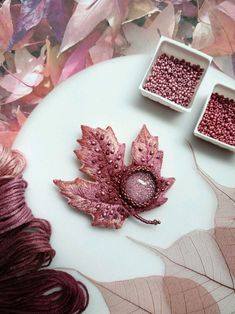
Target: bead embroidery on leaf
x,y
119,191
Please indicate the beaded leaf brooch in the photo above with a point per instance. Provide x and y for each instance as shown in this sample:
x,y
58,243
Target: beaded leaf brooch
x,y
118,191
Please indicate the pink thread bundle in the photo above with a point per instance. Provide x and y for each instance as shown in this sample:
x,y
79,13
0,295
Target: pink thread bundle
x,y
25,287
45,291
26,249
12,163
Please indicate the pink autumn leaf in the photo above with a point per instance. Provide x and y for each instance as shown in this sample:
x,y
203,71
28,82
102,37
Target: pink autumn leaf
x,y
227,7
25,61
214,34
233,62
224,218
196,259
203,12
2,58
7,138
121,42
31,13
157,295
102,51
9,130
108,45
17,87
140,8
118,191
7,135
189,9
21,118
6,26
52,67
54,62
57,13
147,38
104,47
88,15
225,64
221,28
28,75
77,61
203,36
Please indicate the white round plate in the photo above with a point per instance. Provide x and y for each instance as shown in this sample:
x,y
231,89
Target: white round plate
x,y
107,95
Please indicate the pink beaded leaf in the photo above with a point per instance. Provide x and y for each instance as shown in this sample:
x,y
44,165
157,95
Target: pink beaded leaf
x,y
118,191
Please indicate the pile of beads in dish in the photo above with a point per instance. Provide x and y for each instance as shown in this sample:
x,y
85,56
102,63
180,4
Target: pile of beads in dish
x,y
218,120
174,79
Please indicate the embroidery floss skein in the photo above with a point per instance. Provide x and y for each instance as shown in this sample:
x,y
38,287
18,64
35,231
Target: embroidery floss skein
x,y
12,163
44,291
25,287
25,249
13,209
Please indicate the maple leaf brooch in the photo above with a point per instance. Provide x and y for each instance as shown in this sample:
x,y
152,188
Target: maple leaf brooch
x,y
118,191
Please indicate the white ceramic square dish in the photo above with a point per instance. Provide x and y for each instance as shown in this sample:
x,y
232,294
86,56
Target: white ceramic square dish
x,y
180,51
227,92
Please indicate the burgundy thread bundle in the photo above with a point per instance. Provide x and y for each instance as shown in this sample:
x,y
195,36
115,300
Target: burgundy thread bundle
x,y
44,291
218,120
25,287
26,250
174,79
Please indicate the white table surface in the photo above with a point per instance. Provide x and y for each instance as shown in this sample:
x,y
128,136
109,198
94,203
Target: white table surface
x,y
107,94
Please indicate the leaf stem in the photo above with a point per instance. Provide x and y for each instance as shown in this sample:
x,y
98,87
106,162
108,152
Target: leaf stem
x,y
146,221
